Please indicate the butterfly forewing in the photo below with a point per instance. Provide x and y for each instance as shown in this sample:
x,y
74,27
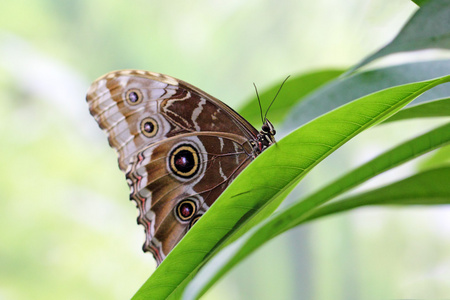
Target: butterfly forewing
x,y
174,105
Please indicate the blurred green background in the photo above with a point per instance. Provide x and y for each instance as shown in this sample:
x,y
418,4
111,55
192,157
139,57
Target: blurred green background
x,y
67,229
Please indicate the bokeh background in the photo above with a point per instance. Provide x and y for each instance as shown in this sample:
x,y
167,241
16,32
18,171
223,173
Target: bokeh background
x,y
67,229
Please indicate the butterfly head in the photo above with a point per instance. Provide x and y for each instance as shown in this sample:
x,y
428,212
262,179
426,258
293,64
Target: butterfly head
x,y
268,129
266,136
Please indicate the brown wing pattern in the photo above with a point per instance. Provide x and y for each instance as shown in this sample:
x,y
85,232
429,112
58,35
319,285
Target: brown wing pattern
x,y
180,148
158,190
174,105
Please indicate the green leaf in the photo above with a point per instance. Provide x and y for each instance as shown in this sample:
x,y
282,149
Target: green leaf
x,y
436,138
438,158
437,108
288,162
420,2
344,90
298,212
428,28
292,92
430,187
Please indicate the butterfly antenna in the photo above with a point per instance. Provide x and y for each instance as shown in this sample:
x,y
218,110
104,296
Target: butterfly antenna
x,y
265,116
259,102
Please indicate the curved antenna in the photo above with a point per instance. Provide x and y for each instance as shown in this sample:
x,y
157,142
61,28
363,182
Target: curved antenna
x,y
259,102
265,116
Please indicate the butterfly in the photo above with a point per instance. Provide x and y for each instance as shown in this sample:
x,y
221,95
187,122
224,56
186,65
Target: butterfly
x,y
178,146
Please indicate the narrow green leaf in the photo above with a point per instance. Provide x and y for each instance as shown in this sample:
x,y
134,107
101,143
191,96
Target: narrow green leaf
x,y
420,2
344,90
440,157
292,92
290,160
400,154
427,188
437,108
430,187
428,28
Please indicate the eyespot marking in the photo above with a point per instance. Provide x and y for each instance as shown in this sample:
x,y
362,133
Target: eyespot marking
x,y
184,161
149,127
185,210
133,97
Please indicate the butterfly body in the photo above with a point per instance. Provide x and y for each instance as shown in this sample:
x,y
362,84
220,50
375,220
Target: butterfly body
x,y
179,147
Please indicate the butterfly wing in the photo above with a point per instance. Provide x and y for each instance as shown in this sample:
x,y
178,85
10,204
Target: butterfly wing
x,y
137,108
174,182
179,147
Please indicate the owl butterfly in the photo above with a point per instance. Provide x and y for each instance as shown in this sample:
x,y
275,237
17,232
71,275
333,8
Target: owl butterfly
x,y
179,147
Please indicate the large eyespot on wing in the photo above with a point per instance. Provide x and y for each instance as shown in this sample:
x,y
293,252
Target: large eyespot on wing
x,y
175,181
184,161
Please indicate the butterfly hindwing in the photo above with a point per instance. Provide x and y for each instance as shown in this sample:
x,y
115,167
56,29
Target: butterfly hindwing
x,y
172,191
